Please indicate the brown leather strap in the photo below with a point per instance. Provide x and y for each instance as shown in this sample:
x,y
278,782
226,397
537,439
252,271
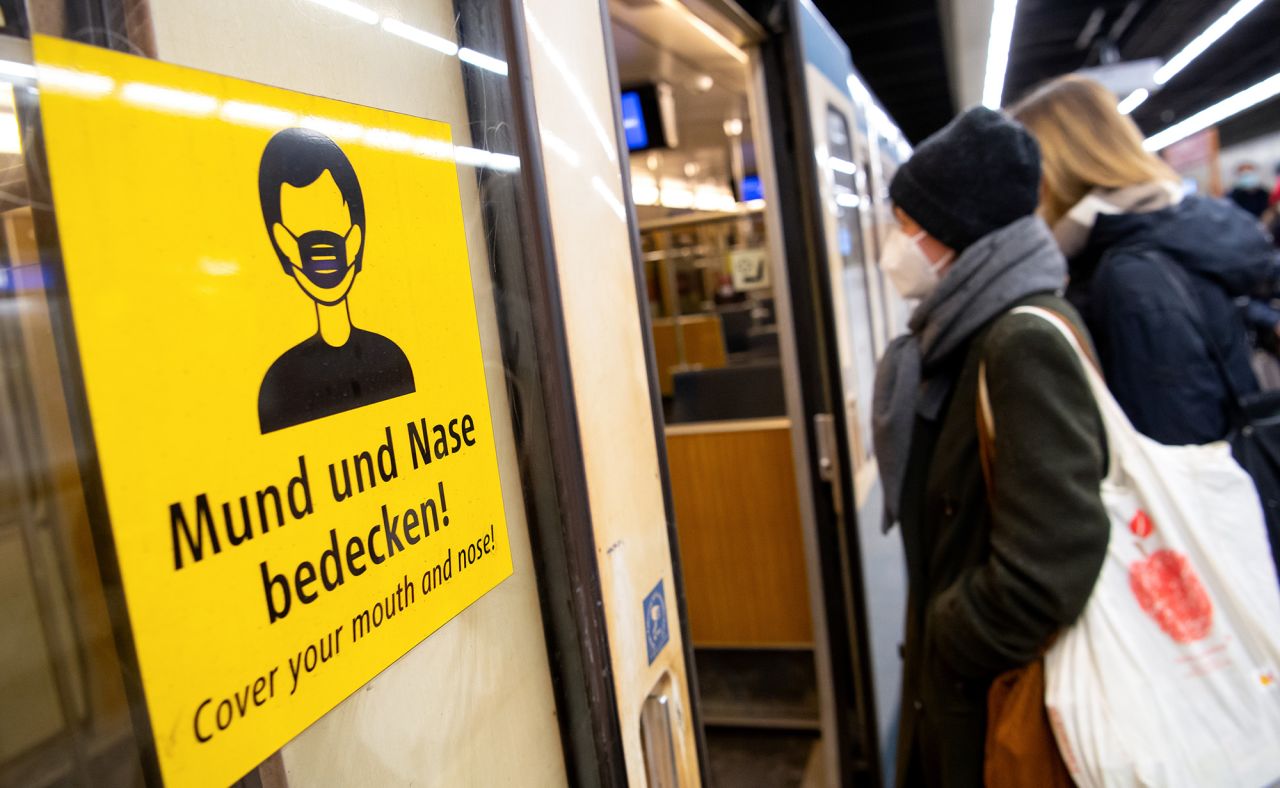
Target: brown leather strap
x,y
986,417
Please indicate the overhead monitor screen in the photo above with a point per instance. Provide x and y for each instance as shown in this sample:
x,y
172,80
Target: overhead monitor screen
x,y
751,189
649,116
633,123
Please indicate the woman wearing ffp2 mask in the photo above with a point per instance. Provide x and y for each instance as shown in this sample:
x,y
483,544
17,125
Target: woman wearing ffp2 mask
x,y
992,576
913,261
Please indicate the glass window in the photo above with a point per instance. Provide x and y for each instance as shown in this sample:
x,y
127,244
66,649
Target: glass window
x,y
854,279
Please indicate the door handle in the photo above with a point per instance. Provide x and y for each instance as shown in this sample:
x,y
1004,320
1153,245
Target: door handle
x,y
828,450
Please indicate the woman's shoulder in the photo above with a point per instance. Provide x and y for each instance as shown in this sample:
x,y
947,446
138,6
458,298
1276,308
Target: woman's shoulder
x,y
1023,339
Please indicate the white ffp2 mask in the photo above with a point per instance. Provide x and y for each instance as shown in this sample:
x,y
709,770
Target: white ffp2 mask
x,y
908,267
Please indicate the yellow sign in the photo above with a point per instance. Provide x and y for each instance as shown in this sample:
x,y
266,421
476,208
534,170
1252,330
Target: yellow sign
x,y
278,337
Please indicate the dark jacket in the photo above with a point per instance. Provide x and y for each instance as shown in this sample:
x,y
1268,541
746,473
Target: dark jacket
x,y
1254,201
990,581
1127,283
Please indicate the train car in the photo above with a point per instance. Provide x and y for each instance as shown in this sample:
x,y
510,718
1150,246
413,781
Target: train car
x,y
442,393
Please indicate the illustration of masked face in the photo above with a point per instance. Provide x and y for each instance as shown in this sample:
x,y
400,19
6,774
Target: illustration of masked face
x,y
323,255
317,236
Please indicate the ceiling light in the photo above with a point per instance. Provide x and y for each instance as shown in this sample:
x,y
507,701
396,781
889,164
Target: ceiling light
x,y
420,37
691,169
733,127
1133,100
1267,88
707,30
703,82
1001,36
1203,41
353,10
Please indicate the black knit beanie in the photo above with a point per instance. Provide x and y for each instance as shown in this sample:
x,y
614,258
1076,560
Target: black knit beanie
x,y
978,174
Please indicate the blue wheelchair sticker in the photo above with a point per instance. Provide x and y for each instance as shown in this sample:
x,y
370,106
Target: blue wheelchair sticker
x,y
655,622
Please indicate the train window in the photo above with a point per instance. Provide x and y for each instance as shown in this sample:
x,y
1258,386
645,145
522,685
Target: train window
x,y
855,282
66,716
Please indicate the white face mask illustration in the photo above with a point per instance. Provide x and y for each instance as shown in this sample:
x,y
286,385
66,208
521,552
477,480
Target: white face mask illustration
x,y
908,267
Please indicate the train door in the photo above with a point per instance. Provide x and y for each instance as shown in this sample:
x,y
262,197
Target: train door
x,y
764,396
834,228
569,670
690,121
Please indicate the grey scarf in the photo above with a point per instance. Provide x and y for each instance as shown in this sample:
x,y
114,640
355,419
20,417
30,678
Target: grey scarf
x,y
998,270
1072,231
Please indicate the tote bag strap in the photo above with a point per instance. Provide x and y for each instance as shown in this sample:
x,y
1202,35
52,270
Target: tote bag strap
x,y
1114,421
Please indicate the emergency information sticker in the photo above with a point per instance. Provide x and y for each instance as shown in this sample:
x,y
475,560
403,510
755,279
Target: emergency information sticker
x,y
278,338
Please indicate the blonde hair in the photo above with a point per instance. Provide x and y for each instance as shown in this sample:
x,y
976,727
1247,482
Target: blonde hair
x,y
1085,143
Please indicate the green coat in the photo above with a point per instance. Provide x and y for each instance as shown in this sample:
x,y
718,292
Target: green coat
x,y
991,581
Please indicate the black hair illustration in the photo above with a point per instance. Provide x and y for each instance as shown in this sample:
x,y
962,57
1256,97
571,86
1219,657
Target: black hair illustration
x,y
319,241
299,157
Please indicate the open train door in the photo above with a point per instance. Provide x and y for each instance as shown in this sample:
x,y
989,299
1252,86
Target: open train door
x,y
830,162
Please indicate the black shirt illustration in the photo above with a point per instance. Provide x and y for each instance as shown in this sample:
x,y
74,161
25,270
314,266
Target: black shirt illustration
x,y
314,212
372,368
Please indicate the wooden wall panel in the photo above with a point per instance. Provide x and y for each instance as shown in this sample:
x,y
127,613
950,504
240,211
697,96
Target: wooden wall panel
x,y
738,518
704,346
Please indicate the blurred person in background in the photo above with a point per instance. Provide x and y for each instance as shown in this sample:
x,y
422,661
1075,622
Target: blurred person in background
x,y
1271,219
994,571
1248,191
1150,269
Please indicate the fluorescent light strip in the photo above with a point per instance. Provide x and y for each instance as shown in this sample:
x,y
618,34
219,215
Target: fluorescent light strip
x,y
1203,41
169,99
353,10
1249,97
610,199
257,114
608,142
475,157
1133,101
12,68
10,139
334,129
419,36
481,60
707,30
75,81
561,148
1003,13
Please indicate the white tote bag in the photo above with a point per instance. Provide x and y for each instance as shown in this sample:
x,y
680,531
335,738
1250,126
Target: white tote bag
x,y
1171,676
